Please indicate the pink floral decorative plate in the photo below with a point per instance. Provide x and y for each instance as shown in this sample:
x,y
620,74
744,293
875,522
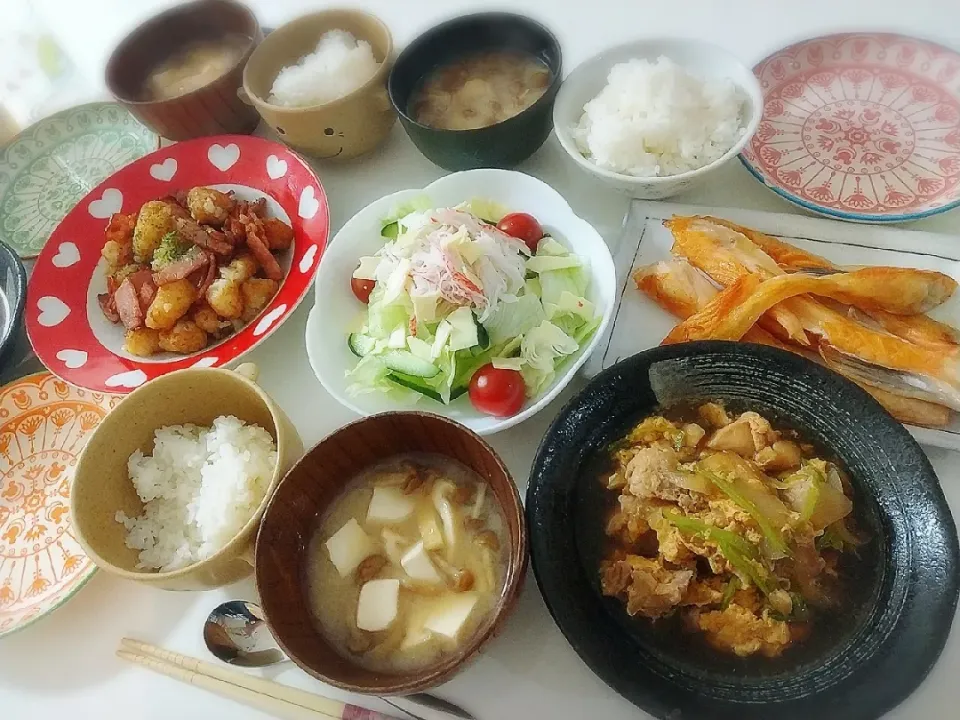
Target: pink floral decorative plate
x,y
64,322
862,127
44,423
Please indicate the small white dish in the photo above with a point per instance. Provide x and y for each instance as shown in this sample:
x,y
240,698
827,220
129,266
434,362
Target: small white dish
x,y
700,58
337,312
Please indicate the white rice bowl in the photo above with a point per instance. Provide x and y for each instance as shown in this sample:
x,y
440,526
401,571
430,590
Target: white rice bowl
x,y
339,65
199,488
657,120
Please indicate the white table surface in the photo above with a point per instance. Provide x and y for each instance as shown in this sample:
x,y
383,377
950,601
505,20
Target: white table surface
x,y
64,666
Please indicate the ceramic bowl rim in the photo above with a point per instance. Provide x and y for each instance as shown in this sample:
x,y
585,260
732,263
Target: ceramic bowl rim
x,y
150,24
518,563
384,67
17,304
751,89
252,524
548,97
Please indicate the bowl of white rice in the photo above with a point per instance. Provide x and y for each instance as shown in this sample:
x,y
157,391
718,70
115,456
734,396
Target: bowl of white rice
x,y
653,118
172,485
320,83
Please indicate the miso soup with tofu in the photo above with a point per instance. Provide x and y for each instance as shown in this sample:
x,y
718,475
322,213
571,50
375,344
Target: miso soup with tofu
x,y
408,563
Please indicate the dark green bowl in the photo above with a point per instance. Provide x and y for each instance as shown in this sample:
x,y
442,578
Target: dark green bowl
x,y
499,146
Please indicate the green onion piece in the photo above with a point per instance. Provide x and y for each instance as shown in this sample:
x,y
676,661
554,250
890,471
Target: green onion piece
x,y
744,556
729,591
772,534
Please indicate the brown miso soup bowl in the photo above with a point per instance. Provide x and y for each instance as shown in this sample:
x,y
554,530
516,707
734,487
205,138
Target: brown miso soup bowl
x,y
310,489
344,128
214,109
102,486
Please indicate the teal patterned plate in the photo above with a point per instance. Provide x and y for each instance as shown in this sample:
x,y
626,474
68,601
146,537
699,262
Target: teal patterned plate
x,y
49,167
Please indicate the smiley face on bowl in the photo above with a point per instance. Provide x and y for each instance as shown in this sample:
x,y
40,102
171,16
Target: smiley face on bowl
x,y
343,128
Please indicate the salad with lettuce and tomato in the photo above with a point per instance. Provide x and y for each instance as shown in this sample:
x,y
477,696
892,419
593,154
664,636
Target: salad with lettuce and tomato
x,y
468,300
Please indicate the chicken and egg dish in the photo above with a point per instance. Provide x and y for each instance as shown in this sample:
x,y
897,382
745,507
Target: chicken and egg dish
x,y
189,269
734,525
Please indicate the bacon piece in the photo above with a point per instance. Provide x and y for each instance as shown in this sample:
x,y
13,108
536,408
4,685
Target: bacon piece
x,y
109,307
258,246
179,269
146,288
191,231
207,280
128,305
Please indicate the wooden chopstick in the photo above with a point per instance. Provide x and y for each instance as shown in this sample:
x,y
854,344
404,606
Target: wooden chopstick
x,y
280,700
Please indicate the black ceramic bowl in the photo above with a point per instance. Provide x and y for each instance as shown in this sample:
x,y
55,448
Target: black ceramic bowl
x,y
874,654
499,146
13,295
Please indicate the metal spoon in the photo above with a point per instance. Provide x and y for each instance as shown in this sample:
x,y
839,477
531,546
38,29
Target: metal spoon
x,y
235,632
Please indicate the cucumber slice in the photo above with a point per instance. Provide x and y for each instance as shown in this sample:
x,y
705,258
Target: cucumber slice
x,y
360,345
415,383
483,337
458,391
404,361
390,230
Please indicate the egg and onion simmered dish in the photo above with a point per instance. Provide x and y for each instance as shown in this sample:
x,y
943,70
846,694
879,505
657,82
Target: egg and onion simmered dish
x,y
407,563
738,528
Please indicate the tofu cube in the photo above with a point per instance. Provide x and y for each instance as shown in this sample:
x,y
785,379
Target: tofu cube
x,y
349,546
378,604
418,565
388,505
451,614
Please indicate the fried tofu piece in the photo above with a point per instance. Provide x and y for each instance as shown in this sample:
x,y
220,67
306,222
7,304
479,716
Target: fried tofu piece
x,y
207,319
257,292
243,267
142,342
209,206
156,219
171,303
226,299
183,338
278,234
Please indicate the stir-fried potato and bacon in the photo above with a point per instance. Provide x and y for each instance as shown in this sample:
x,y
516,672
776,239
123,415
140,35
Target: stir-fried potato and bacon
x,y
190,268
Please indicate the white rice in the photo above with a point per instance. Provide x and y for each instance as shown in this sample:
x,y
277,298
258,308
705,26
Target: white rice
x,y
656,119
199,487
338,66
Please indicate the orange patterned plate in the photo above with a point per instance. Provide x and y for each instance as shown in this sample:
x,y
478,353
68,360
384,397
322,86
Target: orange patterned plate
x,y
44,423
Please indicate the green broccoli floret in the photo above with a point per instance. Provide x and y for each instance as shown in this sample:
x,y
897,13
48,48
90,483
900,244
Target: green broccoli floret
x,y
172,247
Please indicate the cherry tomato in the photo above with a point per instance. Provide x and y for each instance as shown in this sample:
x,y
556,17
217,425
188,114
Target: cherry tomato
x,y
523,227
497,392
362,288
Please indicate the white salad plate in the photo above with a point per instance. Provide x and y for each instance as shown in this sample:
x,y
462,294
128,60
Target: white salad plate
x,y
337,312
640,324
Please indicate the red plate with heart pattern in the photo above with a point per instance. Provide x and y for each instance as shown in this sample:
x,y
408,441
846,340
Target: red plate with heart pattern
x,y
66,327
862,127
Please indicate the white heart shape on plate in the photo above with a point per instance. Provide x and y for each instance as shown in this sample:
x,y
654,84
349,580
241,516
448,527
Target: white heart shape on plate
x,y
165,170
72,358
276,168
109,203
308,203
306,262
53,311
68,254
269,319
223,158
128,379
205,362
